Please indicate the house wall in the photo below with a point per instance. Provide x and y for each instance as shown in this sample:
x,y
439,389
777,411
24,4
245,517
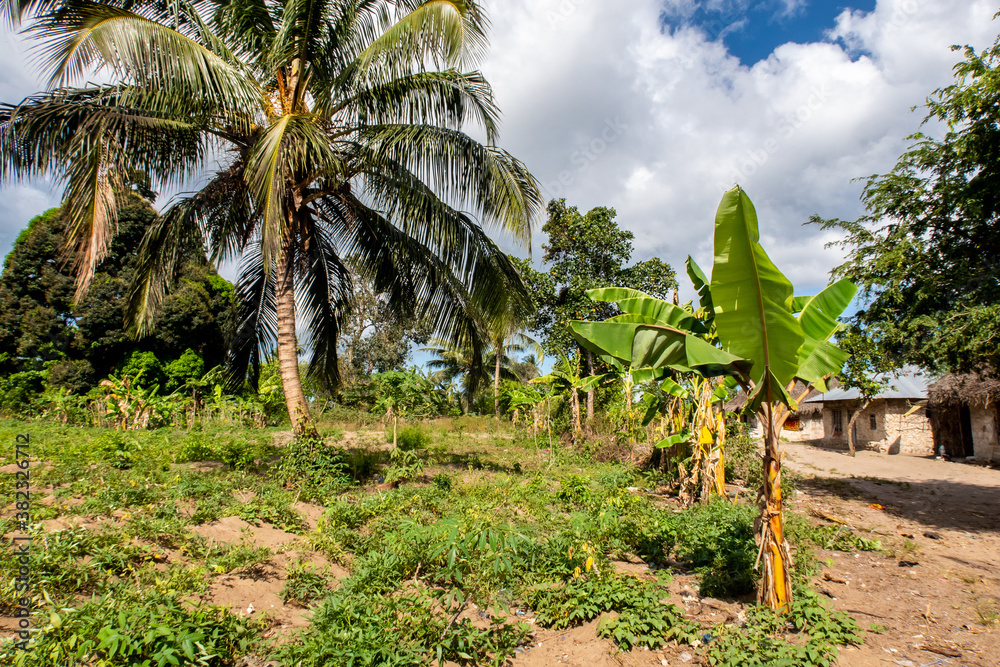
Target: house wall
x,y
984,432
907,434
810,428
895,432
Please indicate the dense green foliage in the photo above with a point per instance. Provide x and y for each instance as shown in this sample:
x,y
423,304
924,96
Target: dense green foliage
x,y
437,571
585,251
926,253
48,340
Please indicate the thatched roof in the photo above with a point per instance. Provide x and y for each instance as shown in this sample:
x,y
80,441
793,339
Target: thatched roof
x,y
808,409
967,389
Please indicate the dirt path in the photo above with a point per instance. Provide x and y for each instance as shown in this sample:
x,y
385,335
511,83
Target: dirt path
x,y
937,591
939,494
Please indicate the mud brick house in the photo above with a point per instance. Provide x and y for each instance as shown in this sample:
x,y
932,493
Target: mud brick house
x,y
964,416
894,422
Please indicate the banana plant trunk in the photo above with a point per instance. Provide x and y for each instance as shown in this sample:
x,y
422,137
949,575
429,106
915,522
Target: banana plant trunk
x,y
574,398
776,585
288,355
591,391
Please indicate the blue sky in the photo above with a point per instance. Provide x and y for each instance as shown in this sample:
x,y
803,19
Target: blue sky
x,y
752,30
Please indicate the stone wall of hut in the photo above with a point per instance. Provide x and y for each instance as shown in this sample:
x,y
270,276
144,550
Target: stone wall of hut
x,y
810,427
893,431
984,433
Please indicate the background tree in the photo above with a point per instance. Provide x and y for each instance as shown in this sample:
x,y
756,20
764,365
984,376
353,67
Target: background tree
x,y
80,343
584,252
926,254
868,370
339,129
377,335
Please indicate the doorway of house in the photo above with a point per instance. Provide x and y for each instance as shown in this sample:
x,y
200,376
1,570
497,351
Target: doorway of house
x,y
968,446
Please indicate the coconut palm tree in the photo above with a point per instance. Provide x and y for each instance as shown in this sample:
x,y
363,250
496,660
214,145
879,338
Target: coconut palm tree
x,y
459,363
505,343
315,130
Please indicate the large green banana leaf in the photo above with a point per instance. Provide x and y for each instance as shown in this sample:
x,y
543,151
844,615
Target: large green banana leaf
x,y
701,285
644,345
753,301
825,359
818,357
818,316
656,311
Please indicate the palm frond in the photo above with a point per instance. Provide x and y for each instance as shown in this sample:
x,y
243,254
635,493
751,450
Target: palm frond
x,y
42,135
85,35
448,33
464,293
293,147
461,171
164,246
447,98
257,323
325,290
92,210
249,27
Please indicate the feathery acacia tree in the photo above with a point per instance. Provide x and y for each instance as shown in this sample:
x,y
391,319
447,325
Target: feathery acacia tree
x,y
317,130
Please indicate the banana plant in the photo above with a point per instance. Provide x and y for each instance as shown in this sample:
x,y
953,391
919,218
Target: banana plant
x,y
566,378
767,339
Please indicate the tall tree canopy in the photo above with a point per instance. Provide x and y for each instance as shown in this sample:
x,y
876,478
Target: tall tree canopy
x,y
585,251
927,253
40,325
320,130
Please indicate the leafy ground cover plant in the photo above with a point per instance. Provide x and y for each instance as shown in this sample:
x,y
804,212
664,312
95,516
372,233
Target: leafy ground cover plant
x,y
304,585
642,618
128,630
416,626
808,635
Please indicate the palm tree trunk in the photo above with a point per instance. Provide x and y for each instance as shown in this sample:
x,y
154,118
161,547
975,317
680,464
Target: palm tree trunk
x,y
776,584
288,355
496,383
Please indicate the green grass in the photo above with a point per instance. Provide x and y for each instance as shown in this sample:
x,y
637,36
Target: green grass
x,y
480,517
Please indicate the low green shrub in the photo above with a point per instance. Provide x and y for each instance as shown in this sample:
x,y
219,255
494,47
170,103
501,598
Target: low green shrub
x,y
303,585
717,541
119,449
131,630
313,468
196,447
642,618
410,437
416,626
807,635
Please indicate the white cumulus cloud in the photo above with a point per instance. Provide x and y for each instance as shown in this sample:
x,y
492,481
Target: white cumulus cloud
x,y
608,108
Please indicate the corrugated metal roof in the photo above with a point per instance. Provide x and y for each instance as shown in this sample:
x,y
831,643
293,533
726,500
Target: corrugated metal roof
x,y
912,385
